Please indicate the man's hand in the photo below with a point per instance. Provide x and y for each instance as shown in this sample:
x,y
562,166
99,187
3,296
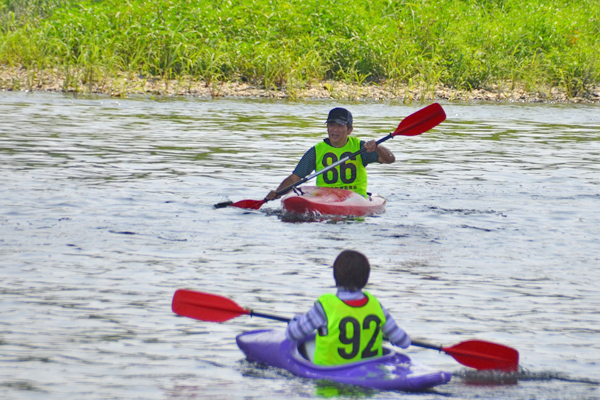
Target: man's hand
x,y
371,146
272,195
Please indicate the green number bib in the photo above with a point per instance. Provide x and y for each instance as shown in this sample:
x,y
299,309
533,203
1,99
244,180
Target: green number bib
x,y
351,175
353,333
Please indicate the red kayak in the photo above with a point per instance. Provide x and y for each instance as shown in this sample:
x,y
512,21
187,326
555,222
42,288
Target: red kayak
x,y
330,201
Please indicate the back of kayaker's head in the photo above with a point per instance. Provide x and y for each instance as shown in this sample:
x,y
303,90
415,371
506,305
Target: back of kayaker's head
x,y
340,116
351,270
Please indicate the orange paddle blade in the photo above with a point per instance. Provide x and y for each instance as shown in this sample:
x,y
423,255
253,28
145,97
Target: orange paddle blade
x,y
205,306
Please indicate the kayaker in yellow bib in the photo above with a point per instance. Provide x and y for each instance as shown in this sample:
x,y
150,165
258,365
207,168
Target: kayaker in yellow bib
x,y
351,175
351,323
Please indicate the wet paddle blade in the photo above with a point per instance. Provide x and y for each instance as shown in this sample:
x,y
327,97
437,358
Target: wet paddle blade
x,y
421,121
205,307
484,355
249,204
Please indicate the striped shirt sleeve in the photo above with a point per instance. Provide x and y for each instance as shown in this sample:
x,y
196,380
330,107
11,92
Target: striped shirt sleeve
x,y
396,335
302,326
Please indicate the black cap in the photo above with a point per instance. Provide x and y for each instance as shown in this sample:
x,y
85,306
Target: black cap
x,y
340,116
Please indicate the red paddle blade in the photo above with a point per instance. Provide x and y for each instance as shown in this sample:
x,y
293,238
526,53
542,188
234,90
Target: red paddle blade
x,y
484,355
205,307
421,121
249,204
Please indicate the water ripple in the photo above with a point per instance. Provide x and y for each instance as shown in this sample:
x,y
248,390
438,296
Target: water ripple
x,y
491,232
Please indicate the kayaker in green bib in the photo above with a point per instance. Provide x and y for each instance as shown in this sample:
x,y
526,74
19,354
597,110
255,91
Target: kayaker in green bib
x,y
352,175
351,323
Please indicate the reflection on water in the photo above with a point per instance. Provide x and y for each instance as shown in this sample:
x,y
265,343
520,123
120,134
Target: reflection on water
x,y
330,390
491,231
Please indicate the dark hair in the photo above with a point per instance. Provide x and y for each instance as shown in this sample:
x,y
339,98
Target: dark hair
x,y
351,270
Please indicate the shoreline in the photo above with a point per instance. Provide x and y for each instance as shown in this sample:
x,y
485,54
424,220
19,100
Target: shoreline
x,y
123,85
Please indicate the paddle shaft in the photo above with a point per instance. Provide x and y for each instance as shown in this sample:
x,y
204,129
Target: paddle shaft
x,y
268,316
491,356
415,124
330,167
417,343
425,345
477,359
472,353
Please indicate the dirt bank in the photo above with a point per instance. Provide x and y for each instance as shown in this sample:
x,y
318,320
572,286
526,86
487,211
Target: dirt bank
x,y
122,85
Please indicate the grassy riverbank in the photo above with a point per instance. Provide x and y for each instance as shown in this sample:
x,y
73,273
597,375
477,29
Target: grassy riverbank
x,y
454,48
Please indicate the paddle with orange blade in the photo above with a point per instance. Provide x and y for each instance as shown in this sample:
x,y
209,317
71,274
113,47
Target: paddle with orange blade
x,y
476,354
413,125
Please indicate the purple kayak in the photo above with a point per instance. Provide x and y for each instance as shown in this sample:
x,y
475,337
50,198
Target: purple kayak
x,y
392,371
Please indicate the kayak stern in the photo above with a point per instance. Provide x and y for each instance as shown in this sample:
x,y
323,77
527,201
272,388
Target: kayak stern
x,y
392,371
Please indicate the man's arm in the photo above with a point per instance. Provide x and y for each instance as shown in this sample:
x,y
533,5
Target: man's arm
x,y
290,180
306,165
385,155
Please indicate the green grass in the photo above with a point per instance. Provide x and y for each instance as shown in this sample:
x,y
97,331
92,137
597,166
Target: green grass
x,y
462,44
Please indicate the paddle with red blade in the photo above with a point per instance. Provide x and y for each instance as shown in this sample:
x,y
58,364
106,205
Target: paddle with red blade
x,y
476,354
211,307
413,125
479,354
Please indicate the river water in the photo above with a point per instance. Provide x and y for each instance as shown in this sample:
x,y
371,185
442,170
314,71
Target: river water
x,y
492,231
